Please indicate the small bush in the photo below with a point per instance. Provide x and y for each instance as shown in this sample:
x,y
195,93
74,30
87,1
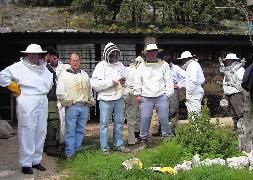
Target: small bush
x,y
206,138
84,21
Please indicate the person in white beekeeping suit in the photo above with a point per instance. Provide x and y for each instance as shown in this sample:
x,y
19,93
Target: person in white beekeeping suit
x,y
75,94
233,71
132,110
108,80
178,76
30,80
152,87
194,78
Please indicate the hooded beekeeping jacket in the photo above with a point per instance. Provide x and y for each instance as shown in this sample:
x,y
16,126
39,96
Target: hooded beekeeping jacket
x,y
105,73
103,77
32,79
233,78
194,78
153,79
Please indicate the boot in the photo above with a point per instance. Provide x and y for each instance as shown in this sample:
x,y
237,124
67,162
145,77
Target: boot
x,y
27,170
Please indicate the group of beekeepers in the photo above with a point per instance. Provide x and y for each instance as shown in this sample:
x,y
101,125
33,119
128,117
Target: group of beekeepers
x,y
122,92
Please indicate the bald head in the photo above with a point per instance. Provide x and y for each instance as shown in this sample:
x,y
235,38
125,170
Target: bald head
x,y
74,61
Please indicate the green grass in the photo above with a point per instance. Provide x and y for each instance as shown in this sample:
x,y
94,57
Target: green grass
x,y
92,164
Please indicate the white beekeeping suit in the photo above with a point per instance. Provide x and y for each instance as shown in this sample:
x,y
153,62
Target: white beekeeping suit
x,y
132,110
194,78
35,81
153,79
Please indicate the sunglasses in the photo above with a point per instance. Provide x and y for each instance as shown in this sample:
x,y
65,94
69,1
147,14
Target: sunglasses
x,y
152,51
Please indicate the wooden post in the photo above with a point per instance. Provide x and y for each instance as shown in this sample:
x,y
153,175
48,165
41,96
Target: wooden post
x,y
246,136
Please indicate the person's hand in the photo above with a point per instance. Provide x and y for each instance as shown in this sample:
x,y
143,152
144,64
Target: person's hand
x,y
122,80
138,99
14,88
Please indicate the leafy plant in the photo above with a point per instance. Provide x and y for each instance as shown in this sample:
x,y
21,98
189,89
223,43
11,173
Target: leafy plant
x,y
206,138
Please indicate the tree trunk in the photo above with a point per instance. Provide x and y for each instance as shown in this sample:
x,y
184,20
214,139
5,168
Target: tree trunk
x,y
245,138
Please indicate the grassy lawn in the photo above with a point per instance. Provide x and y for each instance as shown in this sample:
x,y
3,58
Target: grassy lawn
x,y
90,163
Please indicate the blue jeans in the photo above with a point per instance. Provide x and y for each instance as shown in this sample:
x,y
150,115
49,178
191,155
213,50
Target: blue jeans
x,y
106,108
75,122
161,105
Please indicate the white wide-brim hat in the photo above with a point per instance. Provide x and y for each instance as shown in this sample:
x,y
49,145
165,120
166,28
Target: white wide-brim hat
x,y
185,55
33,49
231,56
152,47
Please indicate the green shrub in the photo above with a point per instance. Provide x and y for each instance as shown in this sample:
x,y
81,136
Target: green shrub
x,y
206,138
84,21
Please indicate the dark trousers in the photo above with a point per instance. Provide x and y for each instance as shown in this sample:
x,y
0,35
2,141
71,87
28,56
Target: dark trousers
x,y
52,124
236,106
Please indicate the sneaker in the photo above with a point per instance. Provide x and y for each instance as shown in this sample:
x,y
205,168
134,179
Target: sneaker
x,y
106,153
39,167
27,170
125,150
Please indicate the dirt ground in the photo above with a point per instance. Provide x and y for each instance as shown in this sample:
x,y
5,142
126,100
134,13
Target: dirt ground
x,y
9,166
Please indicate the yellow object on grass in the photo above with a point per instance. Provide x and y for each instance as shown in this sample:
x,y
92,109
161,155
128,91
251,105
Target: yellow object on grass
x,y
168,170
14,88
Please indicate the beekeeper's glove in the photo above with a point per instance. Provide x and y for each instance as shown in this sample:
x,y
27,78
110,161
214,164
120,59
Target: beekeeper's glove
x,y
14,88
